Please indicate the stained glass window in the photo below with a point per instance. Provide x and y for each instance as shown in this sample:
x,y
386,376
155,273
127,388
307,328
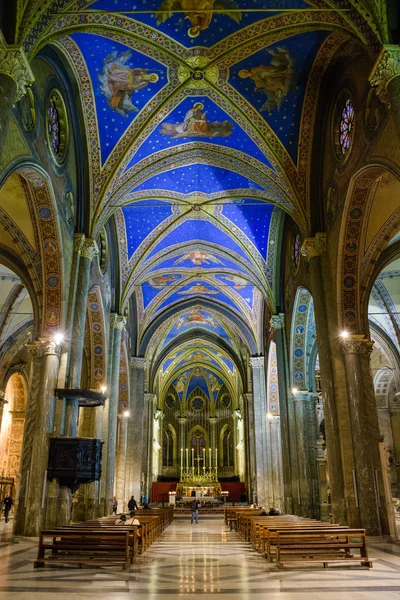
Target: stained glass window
x,y
53,126
296,249
346,127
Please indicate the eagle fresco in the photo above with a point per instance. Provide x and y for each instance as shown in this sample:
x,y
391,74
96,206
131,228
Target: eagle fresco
x,y
198,12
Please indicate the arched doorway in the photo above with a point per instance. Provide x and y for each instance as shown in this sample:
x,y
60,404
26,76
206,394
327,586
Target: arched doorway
x,y
11,433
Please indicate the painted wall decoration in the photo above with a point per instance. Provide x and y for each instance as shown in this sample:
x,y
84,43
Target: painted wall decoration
x,y
97,338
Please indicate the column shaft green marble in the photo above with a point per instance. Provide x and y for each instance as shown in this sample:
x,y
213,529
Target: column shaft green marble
x,y
117,323
31,510
120,471
135,426
278,323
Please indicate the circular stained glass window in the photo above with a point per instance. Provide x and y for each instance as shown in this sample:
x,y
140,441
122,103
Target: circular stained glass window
x,y
197,403
57,126
170,401
226,401
346,127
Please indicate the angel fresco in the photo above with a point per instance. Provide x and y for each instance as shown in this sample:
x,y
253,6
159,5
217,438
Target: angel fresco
x,y
198,12
196,317
195,124
274,80
119,82
197,257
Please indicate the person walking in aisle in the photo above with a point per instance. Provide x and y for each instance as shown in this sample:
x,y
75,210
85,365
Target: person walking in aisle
x,y
132,504
114,505
8,502
195,511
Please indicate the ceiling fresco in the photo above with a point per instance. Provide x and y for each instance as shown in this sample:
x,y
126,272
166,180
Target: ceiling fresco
x,y
197,117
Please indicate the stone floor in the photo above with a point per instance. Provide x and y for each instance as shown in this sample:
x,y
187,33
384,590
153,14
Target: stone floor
x,y
196,561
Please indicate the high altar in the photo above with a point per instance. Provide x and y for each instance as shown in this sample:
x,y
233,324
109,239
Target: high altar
x,y
199,479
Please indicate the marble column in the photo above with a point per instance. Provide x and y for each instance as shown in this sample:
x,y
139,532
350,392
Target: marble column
x,y
277,488
368,480
88,252
32,509
120,470
92,490
260,429
157,440
339,444
250,446
278,325
117,322
15,76
135,426
306,432
150,401
385,78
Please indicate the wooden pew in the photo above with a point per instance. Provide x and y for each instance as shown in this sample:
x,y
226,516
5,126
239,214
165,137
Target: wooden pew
x,y
271,535
333,545
84,547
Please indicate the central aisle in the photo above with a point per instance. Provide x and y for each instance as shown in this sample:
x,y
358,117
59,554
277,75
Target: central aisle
x,y
196,561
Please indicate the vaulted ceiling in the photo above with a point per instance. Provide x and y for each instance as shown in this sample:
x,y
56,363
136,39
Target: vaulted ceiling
x,y
198,118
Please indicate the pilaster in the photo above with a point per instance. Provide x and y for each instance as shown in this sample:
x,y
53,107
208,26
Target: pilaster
x,y
135,452
263,474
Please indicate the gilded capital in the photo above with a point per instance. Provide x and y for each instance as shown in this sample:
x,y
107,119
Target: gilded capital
x,y
356,344
89,249
117,321
312,247
42,347
257,362
276,321
386,68
138,362
79,239
2,398
14,63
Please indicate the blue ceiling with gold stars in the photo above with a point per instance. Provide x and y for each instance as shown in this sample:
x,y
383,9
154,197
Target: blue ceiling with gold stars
x,y
198,115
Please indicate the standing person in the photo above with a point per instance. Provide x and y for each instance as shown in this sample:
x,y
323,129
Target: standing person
x,y
8,502
132,504
144,500
195,511
114,505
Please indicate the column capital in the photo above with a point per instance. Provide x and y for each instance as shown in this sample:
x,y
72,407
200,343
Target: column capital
x,y
159,415
79,239
315,246
257,362
117,321
139,362
14,63
277,321
386,68
42,347
182,420
89,248
236,415
150,398
247,397
356,344
303,395
213,420
2,398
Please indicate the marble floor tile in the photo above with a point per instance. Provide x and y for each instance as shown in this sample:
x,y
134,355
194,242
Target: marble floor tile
x,y
197,561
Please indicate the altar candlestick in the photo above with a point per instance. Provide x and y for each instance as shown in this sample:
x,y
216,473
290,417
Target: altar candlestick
x,y
204,457
187,461
181,458
192,458
216,457
209,457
